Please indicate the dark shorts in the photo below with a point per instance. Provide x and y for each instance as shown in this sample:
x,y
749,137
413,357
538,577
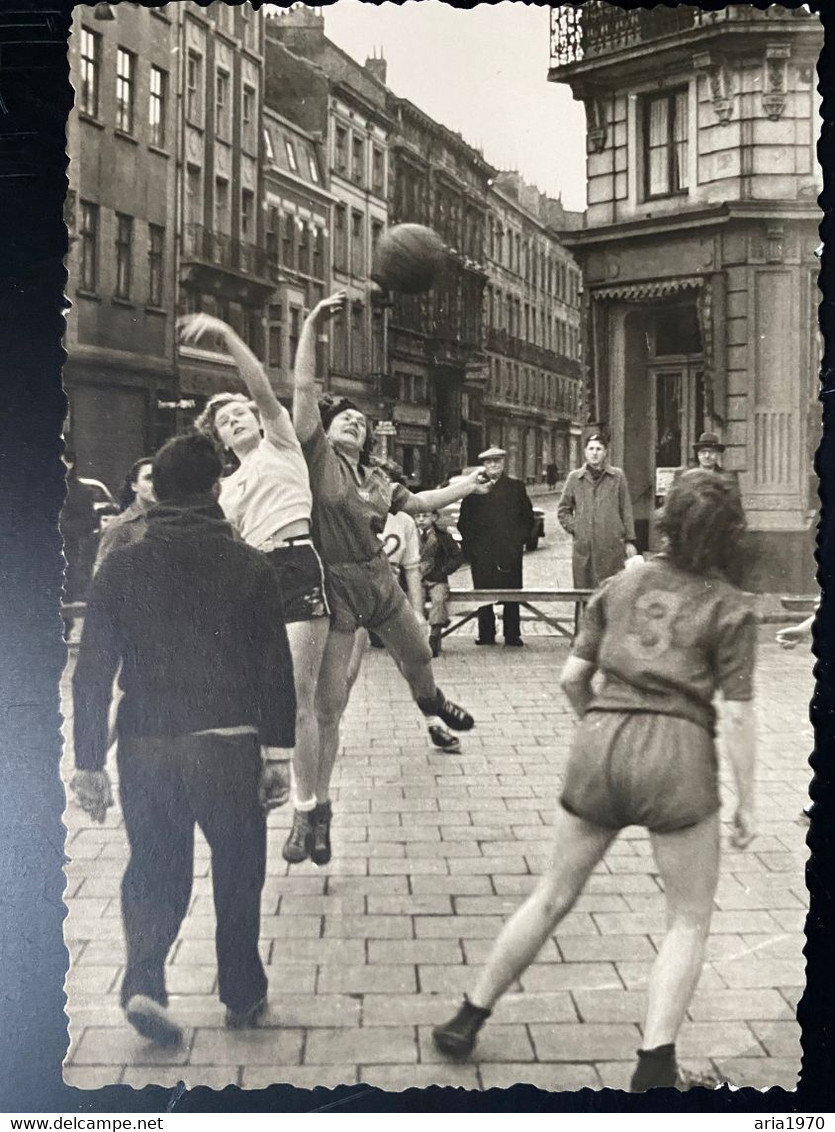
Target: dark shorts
x,y
366,595
641,768
302,580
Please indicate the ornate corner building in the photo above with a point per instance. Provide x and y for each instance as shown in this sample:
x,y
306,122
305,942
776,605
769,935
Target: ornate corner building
x,y
698,253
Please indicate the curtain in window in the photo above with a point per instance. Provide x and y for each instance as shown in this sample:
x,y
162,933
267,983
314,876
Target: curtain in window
x,y
680,141
658,174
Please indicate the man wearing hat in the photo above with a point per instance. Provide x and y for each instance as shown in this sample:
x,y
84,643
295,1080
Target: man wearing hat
x,y
494,529
596,510
708,450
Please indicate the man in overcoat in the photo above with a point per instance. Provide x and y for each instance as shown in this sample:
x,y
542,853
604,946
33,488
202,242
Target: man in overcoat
x,y
596,510
494,529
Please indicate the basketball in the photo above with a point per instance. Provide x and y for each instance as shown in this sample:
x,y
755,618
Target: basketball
x,y
408,259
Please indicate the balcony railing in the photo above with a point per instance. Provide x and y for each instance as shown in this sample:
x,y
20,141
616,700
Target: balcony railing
x,y
208,247
597,28
500,342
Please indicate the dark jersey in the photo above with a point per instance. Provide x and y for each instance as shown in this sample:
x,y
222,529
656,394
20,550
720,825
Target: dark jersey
x,y
667,641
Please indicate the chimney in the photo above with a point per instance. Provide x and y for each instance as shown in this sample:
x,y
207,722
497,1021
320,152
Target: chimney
x,y
377,67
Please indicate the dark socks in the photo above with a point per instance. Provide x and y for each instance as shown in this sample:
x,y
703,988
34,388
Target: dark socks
x,y
656,1069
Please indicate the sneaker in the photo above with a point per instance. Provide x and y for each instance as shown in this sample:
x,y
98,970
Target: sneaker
x,y
320,848
451,714
457,1037
297,846
687,1079
150,1019
247,1019
442,739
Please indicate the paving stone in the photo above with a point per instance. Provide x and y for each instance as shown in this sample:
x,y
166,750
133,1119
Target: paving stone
x,y
635,975
190,979
718,1039
291,927
610,1005
415,951
369,1045
630,923
754,972
554,1078
341,905
411,867
373,979
115,1047
368,927
92,1076
570,977
396,1079
589,948
410,905
408,1009
496,1042
728,1005
193,1076
451,885
269,1046
780,1039
300,1076
367,886
760,1072
314,1010
307,953
83,980
615,1074
584,1041
555,1007
477,951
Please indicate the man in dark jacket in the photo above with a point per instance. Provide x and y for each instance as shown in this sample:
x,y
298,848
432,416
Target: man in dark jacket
x,y
205,729
494,529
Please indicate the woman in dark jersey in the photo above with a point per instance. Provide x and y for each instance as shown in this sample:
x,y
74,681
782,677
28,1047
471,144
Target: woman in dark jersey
x,y
665,636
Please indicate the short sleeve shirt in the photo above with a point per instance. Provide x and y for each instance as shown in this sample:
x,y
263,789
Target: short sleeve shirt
x,y
667,641
269,490
348,513
401,542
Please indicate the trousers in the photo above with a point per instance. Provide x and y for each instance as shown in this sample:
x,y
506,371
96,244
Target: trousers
x,y
168,785
489,574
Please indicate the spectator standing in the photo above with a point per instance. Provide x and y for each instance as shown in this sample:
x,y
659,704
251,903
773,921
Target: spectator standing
x,y
137,498
205,730
440,556
494,529
595,509
78,530
551,476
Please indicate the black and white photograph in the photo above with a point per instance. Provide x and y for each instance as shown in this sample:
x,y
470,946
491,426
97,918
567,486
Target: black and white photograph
x,y
440,525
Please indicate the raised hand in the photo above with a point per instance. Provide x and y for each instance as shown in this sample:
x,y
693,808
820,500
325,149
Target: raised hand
x,y
192,327
329,307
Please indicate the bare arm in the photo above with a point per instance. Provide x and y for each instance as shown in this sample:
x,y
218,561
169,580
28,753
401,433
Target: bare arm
x,y
789,636
440,497
305,396
276,420
414,589
575,681
739,732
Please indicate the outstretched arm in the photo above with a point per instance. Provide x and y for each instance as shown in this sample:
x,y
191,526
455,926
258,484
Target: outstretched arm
x,y
276,420
440,497
305,397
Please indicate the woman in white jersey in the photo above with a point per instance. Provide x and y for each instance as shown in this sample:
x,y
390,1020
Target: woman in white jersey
x,y
267,499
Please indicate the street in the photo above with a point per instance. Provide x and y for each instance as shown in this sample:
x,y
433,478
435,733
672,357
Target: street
x,y
432,852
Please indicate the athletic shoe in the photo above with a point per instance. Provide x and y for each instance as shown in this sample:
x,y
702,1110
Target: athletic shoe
x,y
442,739
457,1037
687,1079
151,1020
297,846
320,845
247,1019
451,714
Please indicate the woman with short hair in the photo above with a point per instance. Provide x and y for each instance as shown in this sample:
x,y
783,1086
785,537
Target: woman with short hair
x,y
664,636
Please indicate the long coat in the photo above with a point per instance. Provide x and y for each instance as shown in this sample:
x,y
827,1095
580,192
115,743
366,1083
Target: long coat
x,y
494,529
599,517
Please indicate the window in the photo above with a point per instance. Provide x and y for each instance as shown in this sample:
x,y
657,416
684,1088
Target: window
x,y
288,240
223,105
313,167
357,243
291,156
304,248
89,237
357,338
125,84
88,87
223,216
194,195
271,237
340,250
293,339
318,268
194,88
156,248
340,155
248,216
268,146
124,254
378,171
339,337
248,117
156,106
358,160
275,342
378,354
665,144
376,233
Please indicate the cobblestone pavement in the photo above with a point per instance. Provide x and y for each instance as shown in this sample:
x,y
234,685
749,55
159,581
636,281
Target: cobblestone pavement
x,y
432,852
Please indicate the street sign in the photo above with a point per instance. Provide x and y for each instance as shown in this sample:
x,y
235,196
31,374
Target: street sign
x,y
385,428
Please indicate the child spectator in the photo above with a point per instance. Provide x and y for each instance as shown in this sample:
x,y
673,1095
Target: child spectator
x,y
440,556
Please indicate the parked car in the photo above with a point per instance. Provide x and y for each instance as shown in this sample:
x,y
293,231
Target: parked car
x,y
104,505
448,518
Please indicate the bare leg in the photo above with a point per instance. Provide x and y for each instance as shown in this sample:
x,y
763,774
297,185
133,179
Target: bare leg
x,y
405,640
688,862
578,847
355,663
307,646
331,701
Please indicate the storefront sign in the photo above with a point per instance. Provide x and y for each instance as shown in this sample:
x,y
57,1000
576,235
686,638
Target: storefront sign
x,y
385,428
182,403
412,415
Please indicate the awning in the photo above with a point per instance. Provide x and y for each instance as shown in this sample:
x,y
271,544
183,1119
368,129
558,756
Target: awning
x,y
640,292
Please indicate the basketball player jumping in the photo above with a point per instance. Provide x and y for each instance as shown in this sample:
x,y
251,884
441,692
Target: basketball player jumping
x,y
665,636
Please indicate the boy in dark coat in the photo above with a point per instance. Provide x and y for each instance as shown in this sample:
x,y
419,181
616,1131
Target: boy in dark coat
x,y
440,556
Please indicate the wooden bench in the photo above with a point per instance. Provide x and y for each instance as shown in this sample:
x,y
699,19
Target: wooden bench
x,y
528,598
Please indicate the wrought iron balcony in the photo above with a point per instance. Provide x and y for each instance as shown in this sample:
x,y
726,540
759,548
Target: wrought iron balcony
x,y
597,28
500,342
205,246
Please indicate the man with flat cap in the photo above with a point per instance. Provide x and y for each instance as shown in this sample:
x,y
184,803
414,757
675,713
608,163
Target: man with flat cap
x,y
595,509
494,529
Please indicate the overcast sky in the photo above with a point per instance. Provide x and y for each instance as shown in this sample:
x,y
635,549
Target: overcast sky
x,y
481,71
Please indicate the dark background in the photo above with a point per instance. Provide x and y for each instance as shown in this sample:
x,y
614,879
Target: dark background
x,y
35,98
